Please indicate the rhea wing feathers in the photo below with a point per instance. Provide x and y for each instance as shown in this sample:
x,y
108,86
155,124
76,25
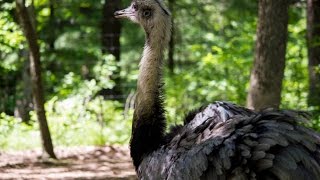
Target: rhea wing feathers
x,y
224,141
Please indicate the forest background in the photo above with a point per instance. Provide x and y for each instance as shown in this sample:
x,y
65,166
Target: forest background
x,y
89,66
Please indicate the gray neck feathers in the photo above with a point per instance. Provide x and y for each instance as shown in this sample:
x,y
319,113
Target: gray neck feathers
x,y
150,69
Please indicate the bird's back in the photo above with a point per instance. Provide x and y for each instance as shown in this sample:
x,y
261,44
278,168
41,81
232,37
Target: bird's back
x,y
224,141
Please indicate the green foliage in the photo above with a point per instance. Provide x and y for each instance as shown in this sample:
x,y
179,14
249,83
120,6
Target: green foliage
x,y
17,135
74,121
84,113
79,118
315,124
11,38
96,122
295,83
215,62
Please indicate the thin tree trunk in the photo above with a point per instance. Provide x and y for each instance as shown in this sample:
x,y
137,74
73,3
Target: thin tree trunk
x,y
52,35
269,63
24,104
110,38
172,42
35,71
313,39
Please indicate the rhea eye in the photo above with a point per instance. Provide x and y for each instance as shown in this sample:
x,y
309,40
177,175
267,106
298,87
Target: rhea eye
x,y
147,13
135,6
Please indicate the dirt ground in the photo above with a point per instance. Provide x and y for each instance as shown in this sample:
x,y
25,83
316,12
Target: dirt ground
x,y
109,162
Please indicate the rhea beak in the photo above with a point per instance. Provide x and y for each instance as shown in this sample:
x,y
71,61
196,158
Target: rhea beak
x,y
125,13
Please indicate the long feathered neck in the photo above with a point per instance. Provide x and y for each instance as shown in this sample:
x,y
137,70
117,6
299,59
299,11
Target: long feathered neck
x,y
149,120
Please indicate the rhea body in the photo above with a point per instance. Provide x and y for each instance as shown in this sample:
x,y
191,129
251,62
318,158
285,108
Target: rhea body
x,y
218,141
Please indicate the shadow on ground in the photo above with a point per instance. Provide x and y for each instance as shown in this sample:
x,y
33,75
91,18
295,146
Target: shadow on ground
x,y
109,162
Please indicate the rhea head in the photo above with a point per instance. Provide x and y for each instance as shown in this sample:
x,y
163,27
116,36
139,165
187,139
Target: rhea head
x,y
152,15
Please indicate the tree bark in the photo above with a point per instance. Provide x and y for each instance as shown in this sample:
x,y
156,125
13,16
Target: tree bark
x,y
110,38
269,63
313,39
172,42
35,71
24,103
52,24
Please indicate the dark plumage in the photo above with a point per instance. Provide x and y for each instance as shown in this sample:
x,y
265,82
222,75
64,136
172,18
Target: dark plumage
x,y
225,141
218,141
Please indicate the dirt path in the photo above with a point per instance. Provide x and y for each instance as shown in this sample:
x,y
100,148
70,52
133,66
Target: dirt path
x,y
74,163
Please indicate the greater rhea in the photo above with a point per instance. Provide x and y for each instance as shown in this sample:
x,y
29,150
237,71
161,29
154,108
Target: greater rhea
x,y
220,140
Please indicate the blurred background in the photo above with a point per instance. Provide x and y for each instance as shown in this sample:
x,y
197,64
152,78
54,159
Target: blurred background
x,y
89,66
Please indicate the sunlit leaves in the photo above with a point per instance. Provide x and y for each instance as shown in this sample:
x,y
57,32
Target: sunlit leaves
x,y
11,36
295,84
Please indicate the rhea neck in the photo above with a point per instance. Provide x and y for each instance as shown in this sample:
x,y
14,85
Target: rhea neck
x,y
150,77
149,120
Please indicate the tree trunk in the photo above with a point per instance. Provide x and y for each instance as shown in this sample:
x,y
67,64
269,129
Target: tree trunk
x,y
24,104
35,71
269,63
313,39
110,38
172,42
52,24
